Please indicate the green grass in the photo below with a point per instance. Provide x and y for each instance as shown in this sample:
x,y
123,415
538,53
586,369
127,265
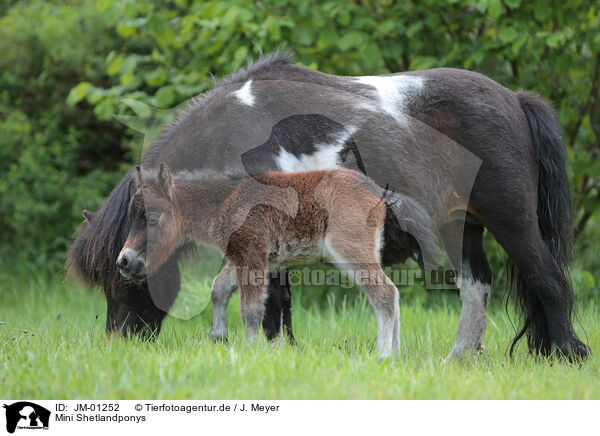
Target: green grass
x,y
52,345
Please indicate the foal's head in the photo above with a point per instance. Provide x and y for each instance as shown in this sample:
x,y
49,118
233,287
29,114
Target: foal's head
x,y
154,227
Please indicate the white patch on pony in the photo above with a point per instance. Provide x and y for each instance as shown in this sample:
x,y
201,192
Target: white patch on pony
x,y
244,94
473,292
368,107
325,157
392,92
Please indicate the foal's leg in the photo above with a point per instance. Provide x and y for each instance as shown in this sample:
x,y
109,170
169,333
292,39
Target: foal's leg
x,y
384,298
396,334
475,285
360,257
251,280
222,287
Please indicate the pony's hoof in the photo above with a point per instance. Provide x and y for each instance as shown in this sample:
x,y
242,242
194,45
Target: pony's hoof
x,y
575,351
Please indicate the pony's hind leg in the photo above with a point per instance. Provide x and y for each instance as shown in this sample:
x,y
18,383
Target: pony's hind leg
x,y
476,278
222,287
543,289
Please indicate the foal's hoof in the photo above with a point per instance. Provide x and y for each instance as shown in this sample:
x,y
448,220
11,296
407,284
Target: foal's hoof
x,y
218,337
394,355
454,356
461,354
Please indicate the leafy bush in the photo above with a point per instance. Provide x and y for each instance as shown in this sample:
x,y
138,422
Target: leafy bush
x,y
54,158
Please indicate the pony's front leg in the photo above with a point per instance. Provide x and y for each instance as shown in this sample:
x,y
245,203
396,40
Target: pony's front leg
x,y
251,281
222,287
474,287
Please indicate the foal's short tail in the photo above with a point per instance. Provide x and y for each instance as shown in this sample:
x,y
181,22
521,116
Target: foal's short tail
x,y
554,214
414,220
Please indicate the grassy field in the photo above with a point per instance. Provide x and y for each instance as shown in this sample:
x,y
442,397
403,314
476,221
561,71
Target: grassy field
x,y
52,346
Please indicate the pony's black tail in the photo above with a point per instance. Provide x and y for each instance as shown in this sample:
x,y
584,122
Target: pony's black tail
x,y
554,200
554,215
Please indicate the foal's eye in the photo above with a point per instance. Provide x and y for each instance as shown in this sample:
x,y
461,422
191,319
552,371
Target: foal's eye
x,y
152,220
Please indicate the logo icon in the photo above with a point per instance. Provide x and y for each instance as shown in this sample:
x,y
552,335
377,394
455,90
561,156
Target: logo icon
x,y
26,415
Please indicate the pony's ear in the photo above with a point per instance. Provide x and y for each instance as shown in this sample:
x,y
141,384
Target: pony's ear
x,y
165,181
138,175
89,216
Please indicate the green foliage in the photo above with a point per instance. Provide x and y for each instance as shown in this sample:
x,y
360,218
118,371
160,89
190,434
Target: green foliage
x,y
54,159
64,78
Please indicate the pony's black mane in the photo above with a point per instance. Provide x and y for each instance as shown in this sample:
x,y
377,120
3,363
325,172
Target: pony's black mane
x,y
268,66
98,243
265,64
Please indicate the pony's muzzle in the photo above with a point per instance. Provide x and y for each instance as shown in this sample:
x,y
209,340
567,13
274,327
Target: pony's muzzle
x,y
131,265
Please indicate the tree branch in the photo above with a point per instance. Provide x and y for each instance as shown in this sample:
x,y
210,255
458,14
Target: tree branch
x,y
586,106
592,104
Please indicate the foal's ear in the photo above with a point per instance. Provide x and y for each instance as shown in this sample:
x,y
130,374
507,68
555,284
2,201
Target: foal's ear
x,y
138,175
164,178
89,216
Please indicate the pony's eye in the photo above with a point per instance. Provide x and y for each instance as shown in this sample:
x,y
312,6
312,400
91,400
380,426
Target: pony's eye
x,y
152,220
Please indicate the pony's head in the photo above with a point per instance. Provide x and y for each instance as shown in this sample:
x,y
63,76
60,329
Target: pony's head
x,y
154,226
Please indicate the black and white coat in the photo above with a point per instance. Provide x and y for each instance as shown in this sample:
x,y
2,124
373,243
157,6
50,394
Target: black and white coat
x,y
475,155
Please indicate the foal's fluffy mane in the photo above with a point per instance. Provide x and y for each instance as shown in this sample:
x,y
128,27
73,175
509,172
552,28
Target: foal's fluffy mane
x,y
207,174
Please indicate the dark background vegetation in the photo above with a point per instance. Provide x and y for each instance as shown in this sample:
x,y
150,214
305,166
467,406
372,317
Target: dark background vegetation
x,y
65,68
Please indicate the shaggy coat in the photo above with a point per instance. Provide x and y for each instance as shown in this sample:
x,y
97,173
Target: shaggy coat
x,y
474,154
276,220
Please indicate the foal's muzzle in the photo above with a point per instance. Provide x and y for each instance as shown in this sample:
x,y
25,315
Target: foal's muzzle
x,y
131,265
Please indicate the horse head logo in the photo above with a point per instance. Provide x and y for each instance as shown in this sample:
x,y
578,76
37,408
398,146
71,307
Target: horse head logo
x,y
26,415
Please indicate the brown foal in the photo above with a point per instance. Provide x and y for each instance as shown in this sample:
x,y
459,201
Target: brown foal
x,y
271,220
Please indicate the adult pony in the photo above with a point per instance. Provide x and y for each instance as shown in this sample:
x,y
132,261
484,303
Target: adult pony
x,y
416,131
